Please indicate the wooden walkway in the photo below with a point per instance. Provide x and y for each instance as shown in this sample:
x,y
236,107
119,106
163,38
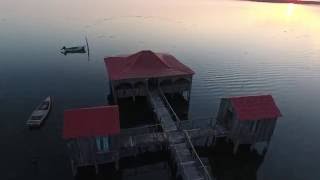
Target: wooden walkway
x,y
171,133
190,166
130,142
134,141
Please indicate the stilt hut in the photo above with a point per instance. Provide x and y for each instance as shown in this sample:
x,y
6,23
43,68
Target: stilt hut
x,y
133,75
248,119
90,134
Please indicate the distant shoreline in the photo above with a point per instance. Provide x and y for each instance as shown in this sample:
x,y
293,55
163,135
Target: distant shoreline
x,y
288,1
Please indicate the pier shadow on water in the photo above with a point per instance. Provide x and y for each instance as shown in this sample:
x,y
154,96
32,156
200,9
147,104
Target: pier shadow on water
x,y
224,165
135,113
149,165
180,105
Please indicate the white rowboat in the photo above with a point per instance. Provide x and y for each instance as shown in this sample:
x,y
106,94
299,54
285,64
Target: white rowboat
x,y
40,113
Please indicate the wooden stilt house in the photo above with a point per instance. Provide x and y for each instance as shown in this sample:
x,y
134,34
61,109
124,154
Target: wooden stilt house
x,y
249,119
90,134
133,75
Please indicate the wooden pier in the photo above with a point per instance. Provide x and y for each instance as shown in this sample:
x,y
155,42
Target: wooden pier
x,y
171,134
189,164
94,136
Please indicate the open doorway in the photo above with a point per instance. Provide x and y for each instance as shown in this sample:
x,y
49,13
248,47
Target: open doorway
x,y
228,119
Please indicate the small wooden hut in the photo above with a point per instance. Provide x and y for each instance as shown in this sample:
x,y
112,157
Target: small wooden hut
x,y
91,134
249,119
134,75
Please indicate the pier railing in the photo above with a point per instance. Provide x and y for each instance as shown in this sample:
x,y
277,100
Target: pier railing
x,y
141,130
172,112
195,155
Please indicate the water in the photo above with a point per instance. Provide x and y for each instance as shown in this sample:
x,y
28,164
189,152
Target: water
x,y
235,48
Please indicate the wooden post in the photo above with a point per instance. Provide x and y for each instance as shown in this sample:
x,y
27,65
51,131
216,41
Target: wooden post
x,y
114,94
214,139
147,83
206,144
73,169
93,152
266,148
96,168
117,163
235,148
189,95
251,147
80,151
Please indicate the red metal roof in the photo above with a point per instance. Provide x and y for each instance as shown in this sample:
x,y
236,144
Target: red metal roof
x,y
93,121
255,107
145,64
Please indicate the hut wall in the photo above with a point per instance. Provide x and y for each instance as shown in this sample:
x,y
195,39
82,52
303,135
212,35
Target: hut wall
x,y
175,84
224,103
250,132
138,87
130,88
226,116
264,129
84,151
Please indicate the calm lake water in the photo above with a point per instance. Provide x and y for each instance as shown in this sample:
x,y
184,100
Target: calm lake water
x,y
235,48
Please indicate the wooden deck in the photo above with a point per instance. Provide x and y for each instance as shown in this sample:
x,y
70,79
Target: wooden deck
x,y
134,141
179,137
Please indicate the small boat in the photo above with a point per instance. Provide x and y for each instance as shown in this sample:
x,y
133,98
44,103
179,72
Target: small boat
x,y
40,113
79,49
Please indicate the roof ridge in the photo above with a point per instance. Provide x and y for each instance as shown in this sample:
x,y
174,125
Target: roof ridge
x,y
162,60
149,52
140,58
94,107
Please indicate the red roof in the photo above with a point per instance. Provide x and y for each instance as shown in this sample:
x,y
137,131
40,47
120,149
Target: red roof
x,y
93,121
145,64
255,107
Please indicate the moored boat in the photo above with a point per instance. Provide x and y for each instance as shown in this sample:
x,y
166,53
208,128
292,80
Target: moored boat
x,y
79,49
40,113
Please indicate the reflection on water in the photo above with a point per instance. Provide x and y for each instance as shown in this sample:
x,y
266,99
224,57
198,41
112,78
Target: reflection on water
x,y
235,48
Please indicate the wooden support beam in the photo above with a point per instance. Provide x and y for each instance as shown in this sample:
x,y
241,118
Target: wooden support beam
x,y
117,164
96,167
73,168
235,148
252,146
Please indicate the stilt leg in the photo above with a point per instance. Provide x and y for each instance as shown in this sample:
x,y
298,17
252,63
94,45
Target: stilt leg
x,y
96,168
117,165
266,148
251,147
235,148
214,139
73,168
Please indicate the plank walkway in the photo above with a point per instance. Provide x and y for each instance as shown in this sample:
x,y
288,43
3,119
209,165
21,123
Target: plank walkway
x,y
179,136
134,141
127,145
188,162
